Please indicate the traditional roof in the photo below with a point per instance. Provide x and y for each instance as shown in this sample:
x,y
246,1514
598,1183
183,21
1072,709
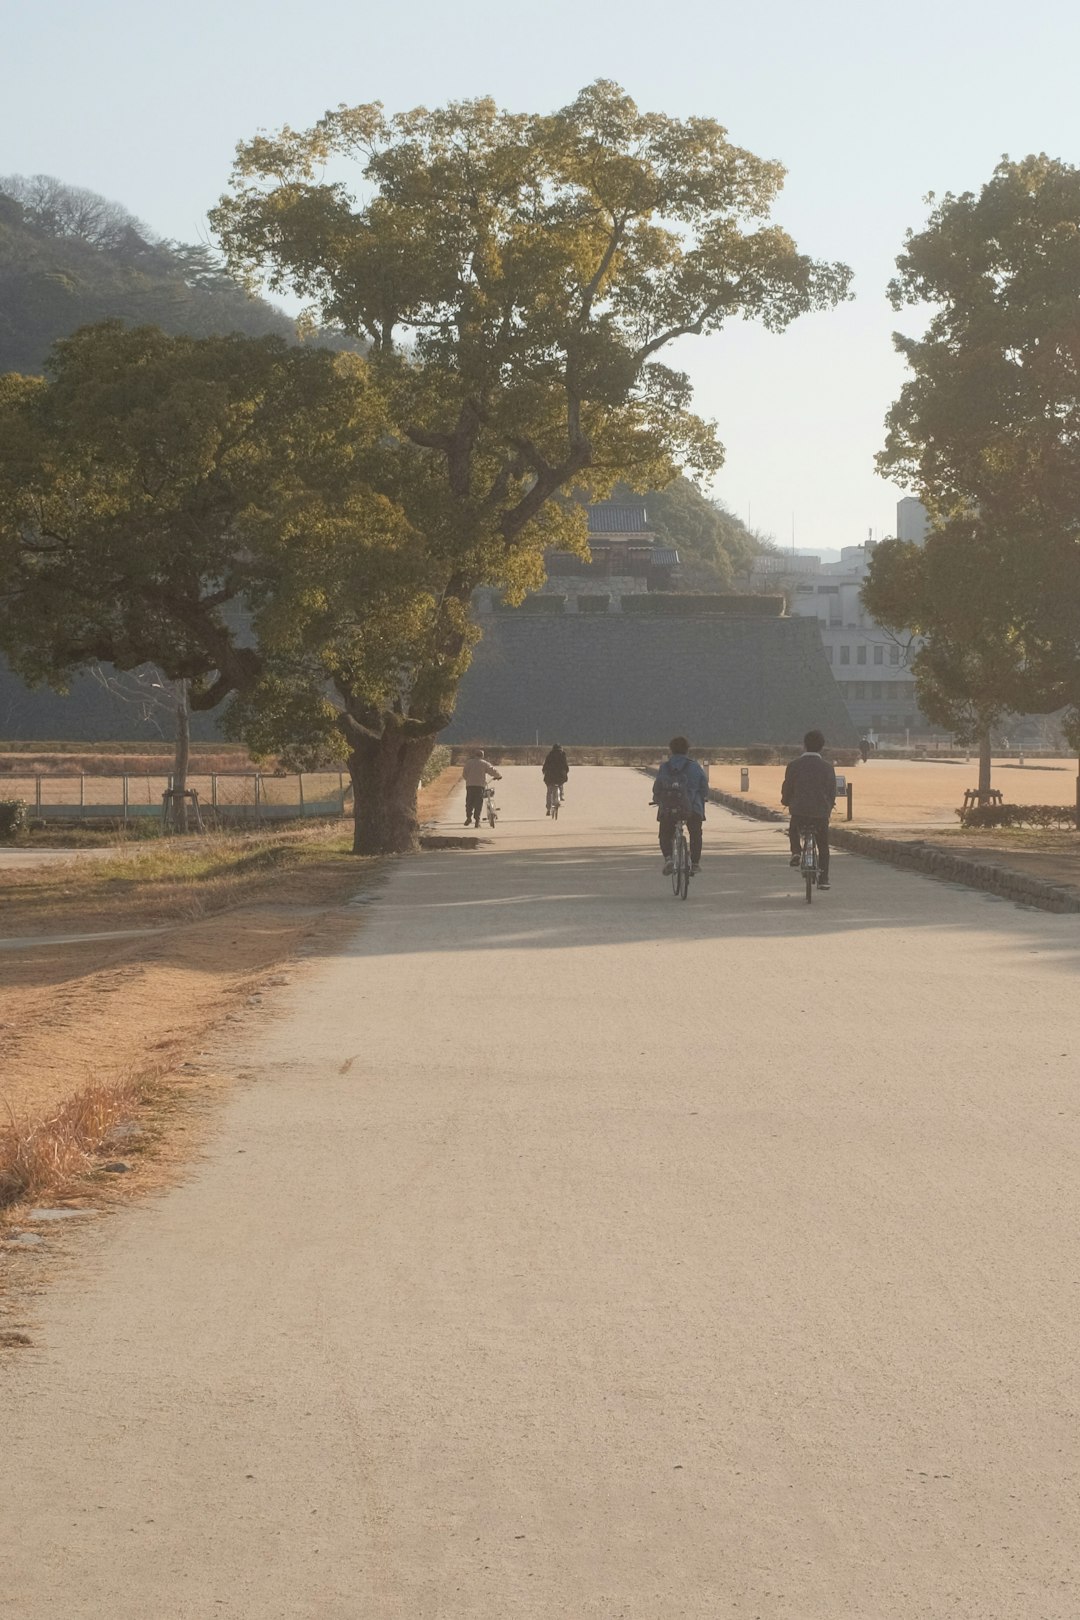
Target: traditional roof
x,y
613,517
631,680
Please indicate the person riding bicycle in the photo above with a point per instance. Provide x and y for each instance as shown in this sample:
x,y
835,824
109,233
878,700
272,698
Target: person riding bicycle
x,y
680,784
809,792
475,775
556,770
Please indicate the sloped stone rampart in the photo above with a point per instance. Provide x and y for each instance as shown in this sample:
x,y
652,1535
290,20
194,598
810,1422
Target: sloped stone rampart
x,y
913,855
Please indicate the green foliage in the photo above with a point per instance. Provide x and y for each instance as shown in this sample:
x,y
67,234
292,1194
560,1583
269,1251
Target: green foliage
x,y
988,430
12,819
673,604
1018,815
714,546
210,505
438,760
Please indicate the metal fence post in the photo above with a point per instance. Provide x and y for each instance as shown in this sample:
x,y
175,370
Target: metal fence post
x,y
37,795
300,779
850,800
82,791
125,782
213,789
258,796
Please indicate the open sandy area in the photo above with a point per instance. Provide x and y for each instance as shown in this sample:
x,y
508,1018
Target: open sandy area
x,y
915,793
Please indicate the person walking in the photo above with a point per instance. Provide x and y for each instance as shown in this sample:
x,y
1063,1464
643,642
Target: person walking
x,y
809,792
679,774
556,771
475,774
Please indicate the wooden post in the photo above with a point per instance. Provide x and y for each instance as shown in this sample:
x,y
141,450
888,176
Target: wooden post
x,y
125,781
300,780
258,796
82,791
850,800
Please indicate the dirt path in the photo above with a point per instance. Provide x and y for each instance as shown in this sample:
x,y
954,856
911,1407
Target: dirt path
x,y
576,1252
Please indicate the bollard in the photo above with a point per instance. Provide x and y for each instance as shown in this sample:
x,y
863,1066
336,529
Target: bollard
x,y
850,800
744,780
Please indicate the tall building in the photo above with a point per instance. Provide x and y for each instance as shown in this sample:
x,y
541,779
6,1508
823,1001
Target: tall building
x,y
912,520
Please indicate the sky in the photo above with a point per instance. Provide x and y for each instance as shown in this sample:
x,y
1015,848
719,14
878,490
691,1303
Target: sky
x,y
868,106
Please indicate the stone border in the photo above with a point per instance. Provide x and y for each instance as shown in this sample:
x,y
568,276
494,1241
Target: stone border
x,y
917,856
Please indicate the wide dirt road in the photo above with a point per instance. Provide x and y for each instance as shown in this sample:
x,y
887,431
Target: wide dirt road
x,y
577,1252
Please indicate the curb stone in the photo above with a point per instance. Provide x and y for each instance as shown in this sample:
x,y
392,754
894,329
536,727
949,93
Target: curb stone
x,y
916,856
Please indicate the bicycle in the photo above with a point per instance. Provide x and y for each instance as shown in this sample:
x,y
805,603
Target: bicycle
x,y
681,864
808,861
554,799
490,807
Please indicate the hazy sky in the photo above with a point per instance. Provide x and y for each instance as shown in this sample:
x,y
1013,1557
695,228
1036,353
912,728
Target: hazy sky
x,y
869,107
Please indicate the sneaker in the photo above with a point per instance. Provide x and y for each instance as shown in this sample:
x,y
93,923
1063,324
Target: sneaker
x,y
796,860
823,883
669,867
695,869
468,824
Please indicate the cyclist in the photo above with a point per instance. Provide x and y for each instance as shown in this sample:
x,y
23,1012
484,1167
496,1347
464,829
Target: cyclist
x,y
683,775
809,791
556,769
475,775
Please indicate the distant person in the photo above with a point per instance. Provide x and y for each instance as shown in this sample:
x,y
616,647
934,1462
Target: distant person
x,y
809,791
556,771
475,775
680,774
864,749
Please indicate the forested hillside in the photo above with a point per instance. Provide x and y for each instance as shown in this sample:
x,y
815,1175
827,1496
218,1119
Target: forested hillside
x,y
69,258
716,549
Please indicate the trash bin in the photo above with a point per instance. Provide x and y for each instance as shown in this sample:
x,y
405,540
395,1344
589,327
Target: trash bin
x,y
744,780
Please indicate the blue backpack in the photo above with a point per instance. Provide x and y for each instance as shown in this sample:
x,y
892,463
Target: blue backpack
x,y
674,796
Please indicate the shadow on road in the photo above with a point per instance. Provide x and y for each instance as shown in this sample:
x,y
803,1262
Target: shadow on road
x,y
580,897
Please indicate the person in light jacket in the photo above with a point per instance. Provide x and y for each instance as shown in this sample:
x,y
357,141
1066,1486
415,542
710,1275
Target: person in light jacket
x,y
475,775
809,791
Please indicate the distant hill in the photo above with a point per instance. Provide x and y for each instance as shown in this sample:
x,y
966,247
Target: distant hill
x,y
69,258
716,549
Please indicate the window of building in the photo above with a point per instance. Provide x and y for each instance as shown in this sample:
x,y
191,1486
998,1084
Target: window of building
x,y
845,655
875,691
894,655
879,655
860,654
828,655
860,691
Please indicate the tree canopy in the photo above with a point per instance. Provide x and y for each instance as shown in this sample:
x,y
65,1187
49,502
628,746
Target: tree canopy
x,y
987,429
715,547
518,278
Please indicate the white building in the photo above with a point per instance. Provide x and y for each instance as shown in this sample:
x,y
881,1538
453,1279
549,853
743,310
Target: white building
x,y
871,666
912,520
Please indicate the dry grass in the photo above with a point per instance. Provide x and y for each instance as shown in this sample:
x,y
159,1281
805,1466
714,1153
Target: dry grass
x,y
49,1157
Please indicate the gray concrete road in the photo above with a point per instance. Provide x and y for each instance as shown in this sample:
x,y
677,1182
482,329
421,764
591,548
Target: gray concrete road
x,y
578,1252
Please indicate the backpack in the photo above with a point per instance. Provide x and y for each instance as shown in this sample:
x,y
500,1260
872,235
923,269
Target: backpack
x,y
674,795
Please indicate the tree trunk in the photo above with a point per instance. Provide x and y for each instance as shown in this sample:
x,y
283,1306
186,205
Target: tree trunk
x,y
182,755
984,765
385,775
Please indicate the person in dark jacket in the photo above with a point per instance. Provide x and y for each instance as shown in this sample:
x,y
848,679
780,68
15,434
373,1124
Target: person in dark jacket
x,y
809,791
556,770
680,771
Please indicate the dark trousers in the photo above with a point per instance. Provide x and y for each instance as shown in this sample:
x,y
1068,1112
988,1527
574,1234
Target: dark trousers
x,y
821,833
667,835
474,803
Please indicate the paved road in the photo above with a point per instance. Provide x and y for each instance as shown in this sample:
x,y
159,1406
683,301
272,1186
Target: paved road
x,y
577,1252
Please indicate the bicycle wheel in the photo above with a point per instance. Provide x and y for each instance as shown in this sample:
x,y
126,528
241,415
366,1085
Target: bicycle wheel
x,y
810,867
490,807
681,875
555,805
676,859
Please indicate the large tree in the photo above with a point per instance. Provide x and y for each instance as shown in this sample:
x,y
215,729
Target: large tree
x,y
987,429
518,278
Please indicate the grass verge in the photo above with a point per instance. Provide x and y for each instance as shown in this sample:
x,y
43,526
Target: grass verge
x,y
52,1155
